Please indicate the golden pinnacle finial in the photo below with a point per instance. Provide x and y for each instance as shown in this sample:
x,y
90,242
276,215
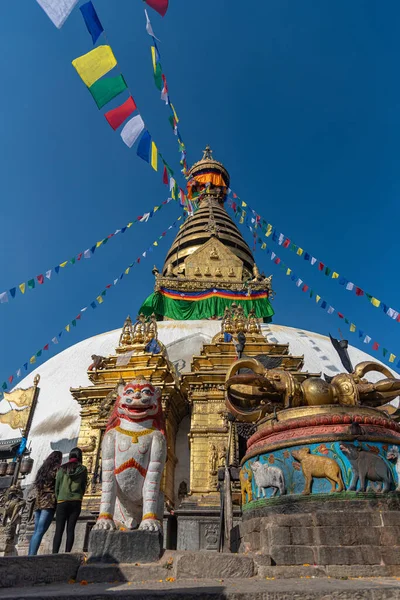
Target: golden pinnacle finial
x,y
126,337
207,153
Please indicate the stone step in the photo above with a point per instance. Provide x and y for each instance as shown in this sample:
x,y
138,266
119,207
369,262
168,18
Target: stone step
x,y
217,589
32,570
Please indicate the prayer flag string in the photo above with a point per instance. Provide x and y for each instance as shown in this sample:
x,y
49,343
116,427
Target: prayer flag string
x,y
94,304
241,209
85,254
305,288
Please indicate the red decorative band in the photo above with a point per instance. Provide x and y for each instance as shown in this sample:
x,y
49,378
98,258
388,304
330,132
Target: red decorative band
x,y
320,421
130,464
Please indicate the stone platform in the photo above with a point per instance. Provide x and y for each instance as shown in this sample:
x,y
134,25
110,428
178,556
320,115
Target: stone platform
x,y
124,546
212,589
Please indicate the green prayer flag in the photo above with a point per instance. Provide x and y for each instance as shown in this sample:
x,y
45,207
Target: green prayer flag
x,y
293,247
103,293
4,386
368,296
72,261
311,293
327,271
104,90
347,321
384,351
74,323
158,77
31,284
105,241
39,353
172,121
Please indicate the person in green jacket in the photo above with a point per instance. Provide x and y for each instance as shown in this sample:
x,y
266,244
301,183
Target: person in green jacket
x,y
71,481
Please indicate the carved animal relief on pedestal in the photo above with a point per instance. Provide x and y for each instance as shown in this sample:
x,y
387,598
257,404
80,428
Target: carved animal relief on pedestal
x,y
318,466
265,477
133,458
367,466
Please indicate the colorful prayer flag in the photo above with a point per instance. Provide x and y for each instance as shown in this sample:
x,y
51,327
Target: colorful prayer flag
x,y
22,288
89,14
144,146
165,175
3,297
104,90
58,11
93,65
161,6
352,327
375,346
154,156
392,358
149,28
118,115
164,91
375,302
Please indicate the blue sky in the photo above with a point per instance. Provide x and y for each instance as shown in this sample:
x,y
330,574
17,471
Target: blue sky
x,y
299,100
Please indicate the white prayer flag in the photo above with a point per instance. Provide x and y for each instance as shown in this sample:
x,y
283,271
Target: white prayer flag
x,y
313,260
123,359
131,130
3,297
350,286
299,282
87,254
58,10
393,314
144,254
19,373
145,218
116,281
273,255
367,339
330,310
48,274
280,239
171,183
54,340
149,28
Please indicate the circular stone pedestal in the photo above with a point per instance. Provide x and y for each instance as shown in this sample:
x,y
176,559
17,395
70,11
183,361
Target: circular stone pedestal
x,y
319,486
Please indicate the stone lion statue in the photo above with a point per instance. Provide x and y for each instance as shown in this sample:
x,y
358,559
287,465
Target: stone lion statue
x,y
133,456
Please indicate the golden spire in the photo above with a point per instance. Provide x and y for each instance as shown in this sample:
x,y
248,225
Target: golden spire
x,y
209,164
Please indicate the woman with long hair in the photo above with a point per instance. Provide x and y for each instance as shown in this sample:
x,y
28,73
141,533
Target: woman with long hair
x,y
45,502
71,484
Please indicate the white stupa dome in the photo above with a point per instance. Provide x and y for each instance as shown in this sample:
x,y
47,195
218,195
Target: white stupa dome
x,y
56,421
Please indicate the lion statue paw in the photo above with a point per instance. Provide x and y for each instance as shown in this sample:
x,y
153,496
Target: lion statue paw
x,y
105,524
150,525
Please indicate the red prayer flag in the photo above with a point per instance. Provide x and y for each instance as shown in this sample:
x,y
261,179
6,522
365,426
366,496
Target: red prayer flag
x,y
10,379
398,318
286,243
305,288
79,256
340,315
165,176
277,261
78,317
40,278
321,266
117,116
234,195
46,347
375,346
108,286
359,292
161,6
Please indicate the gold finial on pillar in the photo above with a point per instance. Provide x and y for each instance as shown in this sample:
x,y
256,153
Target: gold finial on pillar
x,y
126,337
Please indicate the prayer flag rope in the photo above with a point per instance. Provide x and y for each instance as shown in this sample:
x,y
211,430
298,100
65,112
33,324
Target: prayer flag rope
x,y
160,81
241,208
86,254
94,304
301,285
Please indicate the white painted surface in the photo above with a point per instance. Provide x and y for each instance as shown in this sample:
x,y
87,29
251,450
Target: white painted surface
x,y
56,422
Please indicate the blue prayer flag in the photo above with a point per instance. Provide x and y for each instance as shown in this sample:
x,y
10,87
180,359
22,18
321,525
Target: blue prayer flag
x,y
93,304
57,269
323,304
343,281
360,333
95,28
12,292
306,256
144,146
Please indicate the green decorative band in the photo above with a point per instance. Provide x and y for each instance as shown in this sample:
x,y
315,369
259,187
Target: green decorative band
x,y
213,307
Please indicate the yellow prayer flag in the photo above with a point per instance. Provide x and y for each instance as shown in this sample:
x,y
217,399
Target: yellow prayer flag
x,y
22,288
241,220
352,327
375,302
100,299
63,264
93,65
244,204
155,208
154,156
179,218
269,230
263,246
392,357
99,244
127,271
174,111
155,243
317,298
335,275
67,328
153,58
299,251
32,359
129,224
288,271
